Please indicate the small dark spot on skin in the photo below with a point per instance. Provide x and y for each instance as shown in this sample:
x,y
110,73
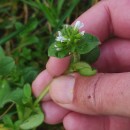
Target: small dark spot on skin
x,y
89,97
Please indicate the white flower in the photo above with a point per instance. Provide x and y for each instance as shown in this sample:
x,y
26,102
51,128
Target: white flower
x,y
82,33
58,49
60,38
55,46
59,33
66,25
78,25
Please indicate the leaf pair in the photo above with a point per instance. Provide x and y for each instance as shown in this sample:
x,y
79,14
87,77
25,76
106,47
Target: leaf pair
x,y
85,45
7,95
82,68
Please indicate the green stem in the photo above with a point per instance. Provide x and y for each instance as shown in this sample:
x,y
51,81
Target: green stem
x,y
20,114
6,111
75,57
43,93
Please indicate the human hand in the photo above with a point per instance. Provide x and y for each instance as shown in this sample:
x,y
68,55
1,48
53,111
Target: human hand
x,y
108,92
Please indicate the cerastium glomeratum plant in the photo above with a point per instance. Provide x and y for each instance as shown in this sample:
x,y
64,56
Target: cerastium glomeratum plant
x,y
71,42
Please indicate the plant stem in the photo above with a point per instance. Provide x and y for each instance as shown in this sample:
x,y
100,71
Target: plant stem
x,y
7,110
43,93
75,57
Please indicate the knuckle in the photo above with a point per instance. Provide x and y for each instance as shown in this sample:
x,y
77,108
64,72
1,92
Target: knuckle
x,y
87,93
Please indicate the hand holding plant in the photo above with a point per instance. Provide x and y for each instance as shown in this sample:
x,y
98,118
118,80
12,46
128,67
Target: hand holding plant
x,y
71,42
107,92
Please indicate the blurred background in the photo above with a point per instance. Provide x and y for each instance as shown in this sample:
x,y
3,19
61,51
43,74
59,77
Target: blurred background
x,y
27,28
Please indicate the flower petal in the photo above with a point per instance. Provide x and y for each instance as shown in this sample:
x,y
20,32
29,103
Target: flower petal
x,y
78,25
82,33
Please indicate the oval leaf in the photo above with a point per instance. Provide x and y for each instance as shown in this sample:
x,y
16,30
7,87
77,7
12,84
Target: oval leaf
x,y
27,91
32,122
87,44
59,54
6,65
87,72
92,56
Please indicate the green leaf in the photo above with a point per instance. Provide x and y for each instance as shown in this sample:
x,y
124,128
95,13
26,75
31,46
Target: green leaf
x,y
2,54
33,121
49,15
16,95
22,31
7,95
17,124
59,54
27,90
29,74
52,50
7,121
92,56
32,24
87,44
18,25
59,5
87,72
6,65
81,65
83,68
27,94
4,93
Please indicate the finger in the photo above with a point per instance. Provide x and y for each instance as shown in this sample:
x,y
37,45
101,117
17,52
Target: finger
x,y
101,26
114,56
120,16
53,113
108,18
99,94
56,66
76,121
41,81
119,123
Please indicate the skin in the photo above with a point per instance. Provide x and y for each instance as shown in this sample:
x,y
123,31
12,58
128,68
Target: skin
x,y
100,102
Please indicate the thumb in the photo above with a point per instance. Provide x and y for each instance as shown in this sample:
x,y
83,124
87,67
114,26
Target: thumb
x,y
99,94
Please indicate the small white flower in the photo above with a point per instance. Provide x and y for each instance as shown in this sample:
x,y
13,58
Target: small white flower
x,y
55,45
59,33
58,49
60,38
66,25
82,33
78,25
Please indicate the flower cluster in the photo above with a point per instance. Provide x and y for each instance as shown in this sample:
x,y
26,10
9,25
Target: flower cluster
x,y
71,41
68,35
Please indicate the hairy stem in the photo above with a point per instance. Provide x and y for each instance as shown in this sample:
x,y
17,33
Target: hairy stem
x,y
6,111
75,57
43,93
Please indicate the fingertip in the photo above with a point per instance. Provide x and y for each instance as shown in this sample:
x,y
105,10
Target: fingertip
x,y
77,121
54,114
40,82
56,66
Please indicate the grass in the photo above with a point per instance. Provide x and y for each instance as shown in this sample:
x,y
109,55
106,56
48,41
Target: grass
x,y
26,30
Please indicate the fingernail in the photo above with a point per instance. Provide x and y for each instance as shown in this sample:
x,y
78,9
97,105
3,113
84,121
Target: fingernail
x,y
62,89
